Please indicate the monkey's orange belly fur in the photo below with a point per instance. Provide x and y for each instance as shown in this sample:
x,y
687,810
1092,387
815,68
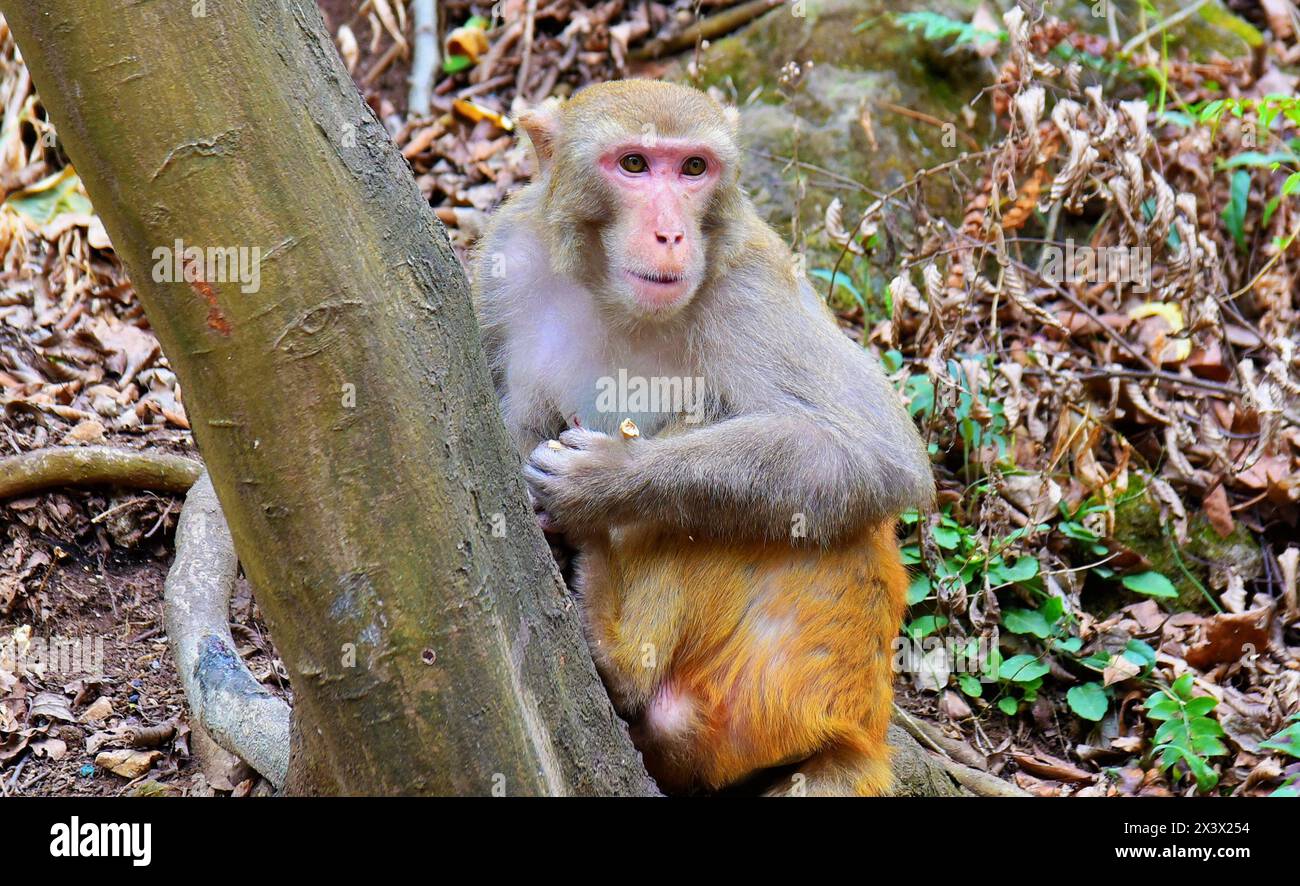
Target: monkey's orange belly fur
x,y
729,659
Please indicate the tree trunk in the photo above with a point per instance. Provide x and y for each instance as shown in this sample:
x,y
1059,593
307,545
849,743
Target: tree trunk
x,y
342,406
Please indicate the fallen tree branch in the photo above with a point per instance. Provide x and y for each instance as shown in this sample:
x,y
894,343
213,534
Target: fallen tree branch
x,y
983,784
225,698
426,56
96,466
717,25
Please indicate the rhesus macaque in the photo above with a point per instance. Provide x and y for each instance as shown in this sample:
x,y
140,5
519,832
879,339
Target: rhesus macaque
x,y
737,564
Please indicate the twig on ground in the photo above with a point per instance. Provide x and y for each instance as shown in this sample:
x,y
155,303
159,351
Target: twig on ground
x,y
377,70
926,118
530,22
977,781
714,26
1162,25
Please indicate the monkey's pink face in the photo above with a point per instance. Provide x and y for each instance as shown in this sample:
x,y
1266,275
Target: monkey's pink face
x,y
656,251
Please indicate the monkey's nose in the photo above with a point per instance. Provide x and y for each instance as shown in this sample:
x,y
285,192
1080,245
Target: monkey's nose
x,y
670,238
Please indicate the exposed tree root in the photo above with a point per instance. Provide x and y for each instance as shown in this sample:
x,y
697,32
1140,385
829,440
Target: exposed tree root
x,y
224,697
918,772
95,465
976,781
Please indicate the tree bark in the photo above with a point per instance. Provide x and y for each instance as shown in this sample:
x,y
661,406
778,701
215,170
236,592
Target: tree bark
x,y
343,406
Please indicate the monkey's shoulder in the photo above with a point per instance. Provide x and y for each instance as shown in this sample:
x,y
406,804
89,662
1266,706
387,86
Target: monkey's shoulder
x,y
510,262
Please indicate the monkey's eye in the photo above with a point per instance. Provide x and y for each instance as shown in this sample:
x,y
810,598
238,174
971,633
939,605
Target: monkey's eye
x,y
633,163
694,166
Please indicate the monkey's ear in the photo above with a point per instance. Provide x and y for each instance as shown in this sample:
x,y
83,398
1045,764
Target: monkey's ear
x,y
732,115
542,124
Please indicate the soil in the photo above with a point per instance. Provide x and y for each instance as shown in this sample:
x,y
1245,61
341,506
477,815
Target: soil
x,y
112,606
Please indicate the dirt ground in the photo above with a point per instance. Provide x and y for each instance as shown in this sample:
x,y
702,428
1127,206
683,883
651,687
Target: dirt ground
x,y
116,672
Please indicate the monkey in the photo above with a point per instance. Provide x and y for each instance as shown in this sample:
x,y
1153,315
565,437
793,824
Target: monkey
x,y
736,557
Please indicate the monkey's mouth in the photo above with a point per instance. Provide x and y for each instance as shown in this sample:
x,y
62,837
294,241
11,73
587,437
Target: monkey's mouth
x,y
657,278
658,290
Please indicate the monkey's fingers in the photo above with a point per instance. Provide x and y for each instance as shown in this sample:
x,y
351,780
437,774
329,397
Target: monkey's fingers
x,y
546,460
541,489
548,524
539,485
583,439
533,500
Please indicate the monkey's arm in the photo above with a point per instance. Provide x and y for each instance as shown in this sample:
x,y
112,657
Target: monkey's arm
x,y
818,444
754,476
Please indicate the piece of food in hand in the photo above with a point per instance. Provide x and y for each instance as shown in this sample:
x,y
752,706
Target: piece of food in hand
x,y
554,445
629,430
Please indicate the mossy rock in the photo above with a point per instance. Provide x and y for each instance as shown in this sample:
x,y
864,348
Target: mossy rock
x,y
1139,526
1212,32
861,56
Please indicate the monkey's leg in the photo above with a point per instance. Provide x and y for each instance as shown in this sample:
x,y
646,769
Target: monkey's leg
x,y
855,766
852,605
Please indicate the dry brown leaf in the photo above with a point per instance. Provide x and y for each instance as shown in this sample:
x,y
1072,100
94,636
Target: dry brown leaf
x,y
1270,473
14,744
1046,766
1118,670
88,431
1228,636
127,763
1128,744
1218,511
52,706
1246,718
99,711
954,706
1208,363
53,748
133,348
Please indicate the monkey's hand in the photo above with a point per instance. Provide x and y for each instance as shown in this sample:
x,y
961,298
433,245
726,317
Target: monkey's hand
x,y
561,550
572,481
544,520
